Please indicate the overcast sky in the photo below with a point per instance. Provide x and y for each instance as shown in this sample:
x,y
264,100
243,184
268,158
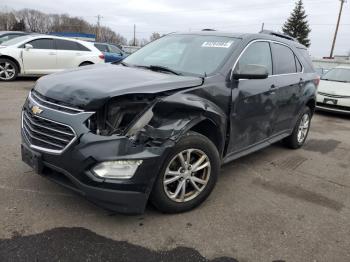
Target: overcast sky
x,y
166,16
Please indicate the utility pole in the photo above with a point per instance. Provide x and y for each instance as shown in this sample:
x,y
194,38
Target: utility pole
x,y
99,17
336,29
262,27
134,35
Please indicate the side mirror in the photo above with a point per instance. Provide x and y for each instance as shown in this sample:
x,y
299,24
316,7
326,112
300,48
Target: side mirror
x,y
251,72
28,46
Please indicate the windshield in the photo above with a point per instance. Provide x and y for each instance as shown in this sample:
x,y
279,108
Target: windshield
x,y
16,40
186,54
338,74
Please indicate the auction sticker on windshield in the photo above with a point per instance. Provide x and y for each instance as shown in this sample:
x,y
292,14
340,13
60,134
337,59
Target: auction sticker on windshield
x,y
218,44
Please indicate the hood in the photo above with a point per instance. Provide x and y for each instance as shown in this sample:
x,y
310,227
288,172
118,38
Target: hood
x,y
91,86
334,88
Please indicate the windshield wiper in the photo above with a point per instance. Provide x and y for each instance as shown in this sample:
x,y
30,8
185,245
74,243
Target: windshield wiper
x,y
160,68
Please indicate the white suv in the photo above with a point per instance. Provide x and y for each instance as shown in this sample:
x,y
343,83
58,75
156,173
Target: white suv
x,y
44,54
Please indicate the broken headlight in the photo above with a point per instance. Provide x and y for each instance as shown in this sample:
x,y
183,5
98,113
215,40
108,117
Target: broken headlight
x,y
119,114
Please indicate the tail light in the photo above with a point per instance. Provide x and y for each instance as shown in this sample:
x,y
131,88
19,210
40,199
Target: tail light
x,y
317,80
102,56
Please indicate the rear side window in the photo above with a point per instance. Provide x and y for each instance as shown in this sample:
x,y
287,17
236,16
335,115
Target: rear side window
x,y
258,53
69,45
42,44
284,60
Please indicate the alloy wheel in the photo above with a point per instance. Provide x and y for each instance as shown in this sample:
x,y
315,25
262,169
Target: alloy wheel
x,y
303,128
7,71
187,175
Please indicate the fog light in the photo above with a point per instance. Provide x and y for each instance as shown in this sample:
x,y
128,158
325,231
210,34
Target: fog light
x,y
120,169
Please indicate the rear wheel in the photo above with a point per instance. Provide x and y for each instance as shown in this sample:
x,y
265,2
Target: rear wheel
x,y
301,130
188,175
8,70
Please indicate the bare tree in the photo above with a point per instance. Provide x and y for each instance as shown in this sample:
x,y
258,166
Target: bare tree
x,y
154,36
7,20
36,21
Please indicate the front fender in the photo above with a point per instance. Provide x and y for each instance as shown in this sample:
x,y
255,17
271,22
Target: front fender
x,y
176,114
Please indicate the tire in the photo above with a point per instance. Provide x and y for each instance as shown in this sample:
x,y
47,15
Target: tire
x,y
85,64
201,146
295,141
8,70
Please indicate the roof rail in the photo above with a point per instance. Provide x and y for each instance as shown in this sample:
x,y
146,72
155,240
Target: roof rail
x,y
269,32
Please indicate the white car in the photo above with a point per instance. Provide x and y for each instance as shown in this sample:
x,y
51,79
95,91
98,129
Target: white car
x,y
334,91
44,54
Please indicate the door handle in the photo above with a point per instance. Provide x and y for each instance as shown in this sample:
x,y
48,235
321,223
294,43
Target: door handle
x,y
273,87
52,53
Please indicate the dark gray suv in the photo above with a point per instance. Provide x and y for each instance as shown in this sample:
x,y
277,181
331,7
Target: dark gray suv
x,y
160,124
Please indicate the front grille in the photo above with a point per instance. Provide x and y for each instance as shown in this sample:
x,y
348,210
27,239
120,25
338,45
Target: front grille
x,y
46,134
330,106
53,104
333,96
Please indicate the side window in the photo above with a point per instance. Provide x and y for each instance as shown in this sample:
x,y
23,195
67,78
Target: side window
x,y
284,60
82,48
299,66
258,53
69,45
42,44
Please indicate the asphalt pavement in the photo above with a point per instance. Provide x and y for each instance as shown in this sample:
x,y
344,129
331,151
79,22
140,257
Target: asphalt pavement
x,y
274,205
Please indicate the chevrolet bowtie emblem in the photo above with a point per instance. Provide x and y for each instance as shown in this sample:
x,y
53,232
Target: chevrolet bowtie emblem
x,y
36,110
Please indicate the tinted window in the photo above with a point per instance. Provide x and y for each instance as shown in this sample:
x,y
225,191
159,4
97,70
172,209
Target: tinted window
x,y
69,45
42,44
284,60
102,47
258,53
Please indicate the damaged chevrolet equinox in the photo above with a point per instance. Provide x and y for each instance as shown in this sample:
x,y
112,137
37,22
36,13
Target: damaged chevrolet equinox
x,y
159,125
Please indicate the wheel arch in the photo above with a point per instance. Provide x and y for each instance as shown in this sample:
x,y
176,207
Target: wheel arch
x,y
311,103
209,129
13,60
87,63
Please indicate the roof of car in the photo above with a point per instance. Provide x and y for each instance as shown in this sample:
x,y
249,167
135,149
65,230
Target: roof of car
x,y
12,32
263,35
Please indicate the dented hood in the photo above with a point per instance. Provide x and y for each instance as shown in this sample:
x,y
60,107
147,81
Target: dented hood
x,y
91,86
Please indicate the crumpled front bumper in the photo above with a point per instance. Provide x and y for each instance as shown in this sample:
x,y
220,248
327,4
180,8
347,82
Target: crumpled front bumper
x,y
72,167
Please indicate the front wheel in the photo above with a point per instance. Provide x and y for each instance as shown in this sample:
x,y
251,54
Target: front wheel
x,y
8,70
301,130
188,175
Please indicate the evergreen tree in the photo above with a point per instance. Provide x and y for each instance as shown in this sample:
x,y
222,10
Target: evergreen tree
x,y
297,25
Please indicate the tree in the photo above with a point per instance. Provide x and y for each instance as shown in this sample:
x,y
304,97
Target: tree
x,y
19,26
154,36
297,25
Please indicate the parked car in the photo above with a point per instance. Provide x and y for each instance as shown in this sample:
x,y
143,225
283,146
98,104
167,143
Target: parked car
x,y
321,71
334,91
160,126
8,35
111,52
43,54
